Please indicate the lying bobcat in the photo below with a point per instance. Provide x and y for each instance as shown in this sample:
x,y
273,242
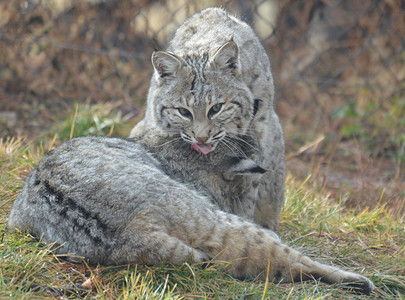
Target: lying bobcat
x,y
214,85
189,186
117,201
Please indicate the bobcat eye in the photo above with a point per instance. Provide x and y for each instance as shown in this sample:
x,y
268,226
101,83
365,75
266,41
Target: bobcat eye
x,y
214,109
185,113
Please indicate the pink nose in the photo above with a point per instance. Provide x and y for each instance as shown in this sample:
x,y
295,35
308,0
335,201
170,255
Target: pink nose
x,y
202,140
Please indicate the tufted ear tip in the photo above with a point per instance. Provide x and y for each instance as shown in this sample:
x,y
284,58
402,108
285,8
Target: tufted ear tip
x,y
166,64
226,57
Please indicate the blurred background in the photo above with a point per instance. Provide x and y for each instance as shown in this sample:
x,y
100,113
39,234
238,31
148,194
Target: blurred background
x,y
339,69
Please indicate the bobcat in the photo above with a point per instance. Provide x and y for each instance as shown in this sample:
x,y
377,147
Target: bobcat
x,y
196,182
214,86
117,201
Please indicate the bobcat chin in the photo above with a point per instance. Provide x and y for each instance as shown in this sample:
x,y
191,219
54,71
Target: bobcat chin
x,y
201,178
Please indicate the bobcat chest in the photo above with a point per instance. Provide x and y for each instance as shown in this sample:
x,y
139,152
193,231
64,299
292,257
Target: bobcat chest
x,y
212,175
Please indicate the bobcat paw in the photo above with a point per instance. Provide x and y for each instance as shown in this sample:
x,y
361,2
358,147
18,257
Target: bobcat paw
x,y
359,284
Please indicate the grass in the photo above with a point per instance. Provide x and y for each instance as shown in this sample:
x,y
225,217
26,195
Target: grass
x,y
98,120
375,125
371,242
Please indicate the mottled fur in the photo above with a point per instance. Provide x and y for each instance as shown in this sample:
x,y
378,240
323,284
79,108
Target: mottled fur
x,y
216,59
116,201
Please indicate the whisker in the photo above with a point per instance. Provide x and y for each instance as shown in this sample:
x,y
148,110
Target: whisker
x,y
234,147
249,132
168,142
245,142
237,136
229,147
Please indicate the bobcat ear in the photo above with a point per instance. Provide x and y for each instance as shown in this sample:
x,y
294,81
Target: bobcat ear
x,y
165,64
226,57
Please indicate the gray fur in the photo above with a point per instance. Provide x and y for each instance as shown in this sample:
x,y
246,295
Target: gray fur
x,y
117,201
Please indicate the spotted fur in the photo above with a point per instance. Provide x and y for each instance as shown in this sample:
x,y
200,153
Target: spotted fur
x,y
116,201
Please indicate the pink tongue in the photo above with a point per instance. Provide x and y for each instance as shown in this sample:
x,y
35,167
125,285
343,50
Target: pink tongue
x,y
203,148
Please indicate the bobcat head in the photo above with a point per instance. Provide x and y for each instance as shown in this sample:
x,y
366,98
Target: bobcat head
x,y
202,98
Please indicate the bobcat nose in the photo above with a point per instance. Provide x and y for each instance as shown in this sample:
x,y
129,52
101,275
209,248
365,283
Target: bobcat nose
x,y
202,140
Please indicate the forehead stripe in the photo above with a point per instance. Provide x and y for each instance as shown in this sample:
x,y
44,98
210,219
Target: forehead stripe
x,y
193,84
197,65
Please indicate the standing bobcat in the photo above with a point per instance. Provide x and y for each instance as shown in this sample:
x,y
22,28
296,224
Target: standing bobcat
x,y
205,165
214,86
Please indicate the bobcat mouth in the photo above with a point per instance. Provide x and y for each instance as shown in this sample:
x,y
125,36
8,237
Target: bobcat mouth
x,y
202,148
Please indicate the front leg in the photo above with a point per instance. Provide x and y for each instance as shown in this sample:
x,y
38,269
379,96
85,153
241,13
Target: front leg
x,y
271,185
270,199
